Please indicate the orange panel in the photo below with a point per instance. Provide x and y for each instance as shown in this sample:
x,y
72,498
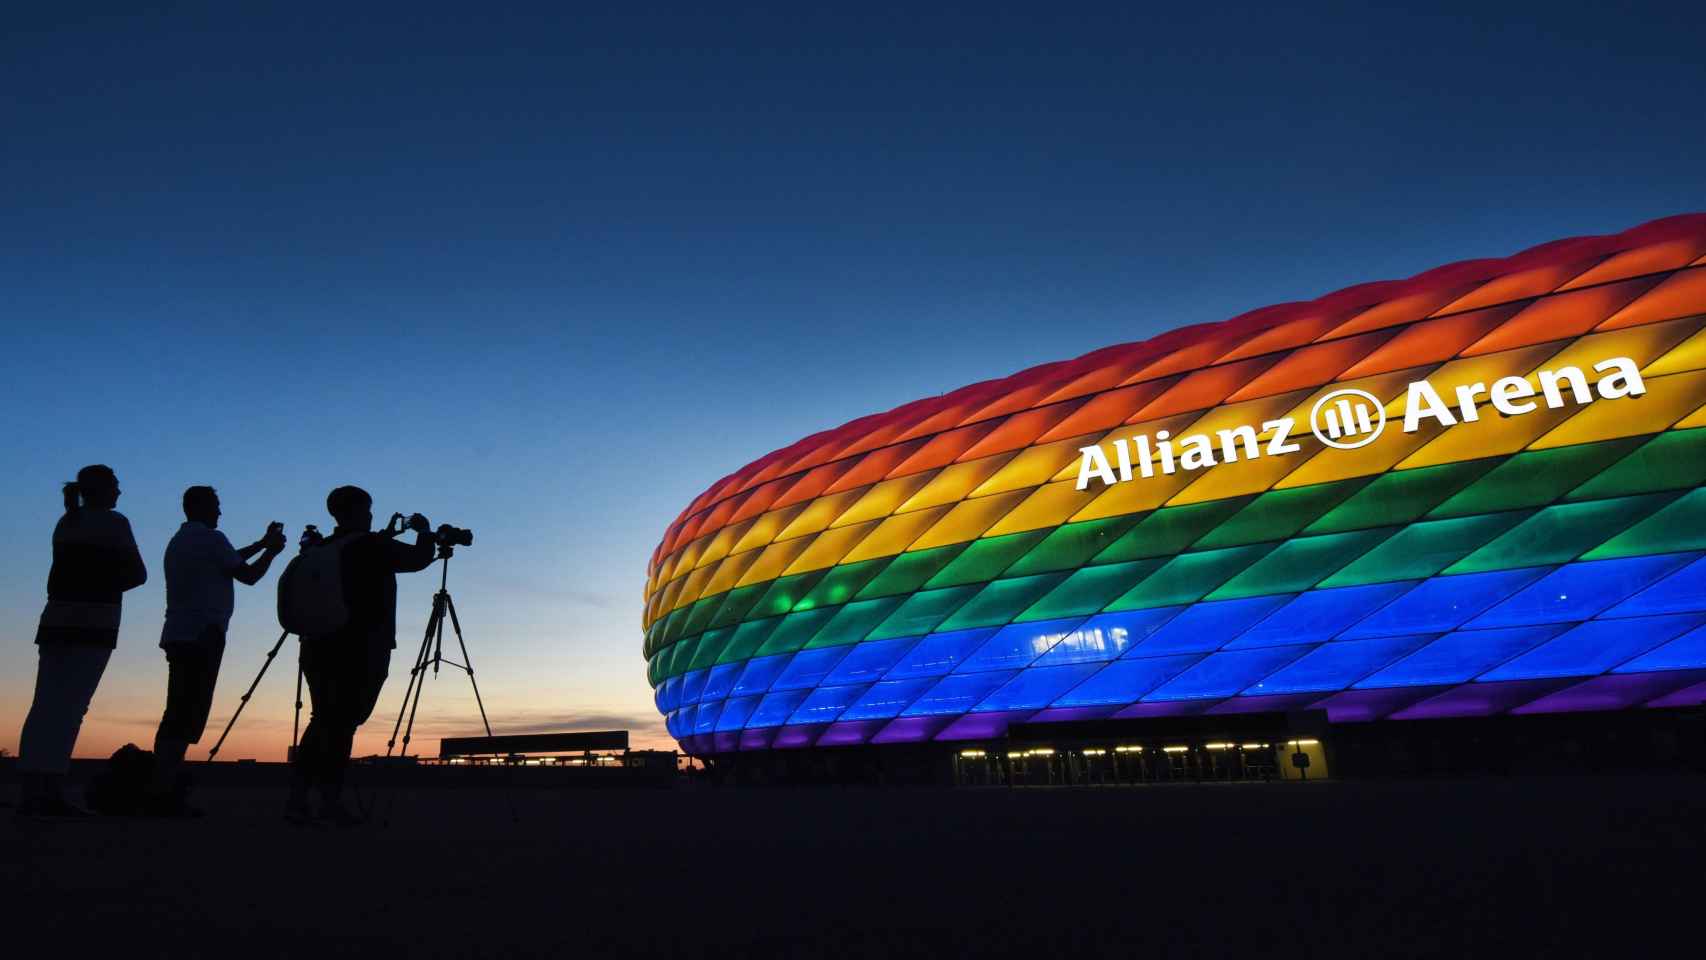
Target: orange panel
x,y
1020,430
813,483
1431,341
1521,285
767,526
1678,295
1292,333
944,448
1107,411
1404,309
1668,255
1560,315
947,418
1023,398
761,499
1189,357
882,436
1311,366
874,466
1205,388
1104,377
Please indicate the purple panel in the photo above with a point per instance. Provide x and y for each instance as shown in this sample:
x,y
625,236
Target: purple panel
x,y
1686,697
1613,692
757,739
1481,699
726,742
1066,714
851,733
978,726
1359,706
697,745
1278,701
797,736
1165,708
911,729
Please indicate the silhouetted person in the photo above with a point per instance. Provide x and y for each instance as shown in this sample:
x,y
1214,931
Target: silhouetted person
x,y
201,566
346,669
95,561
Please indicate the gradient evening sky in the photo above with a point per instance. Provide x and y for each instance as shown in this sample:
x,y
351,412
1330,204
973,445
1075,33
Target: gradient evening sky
x,y
547,272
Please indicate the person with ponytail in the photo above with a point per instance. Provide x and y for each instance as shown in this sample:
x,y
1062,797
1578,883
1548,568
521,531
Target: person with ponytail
x,y
95,560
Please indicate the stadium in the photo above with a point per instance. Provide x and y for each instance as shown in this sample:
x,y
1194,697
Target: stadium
x,y
1020,571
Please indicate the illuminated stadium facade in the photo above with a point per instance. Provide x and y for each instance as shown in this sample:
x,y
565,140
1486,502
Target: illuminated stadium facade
x,y
1022,552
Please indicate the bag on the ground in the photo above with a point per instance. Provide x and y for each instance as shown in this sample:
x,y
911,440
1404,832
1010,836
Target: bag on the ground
x,y
122,787
311,592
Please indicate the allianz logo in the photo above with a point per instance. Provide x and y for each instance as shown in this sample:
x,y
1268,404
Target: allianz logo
x,y
1349,418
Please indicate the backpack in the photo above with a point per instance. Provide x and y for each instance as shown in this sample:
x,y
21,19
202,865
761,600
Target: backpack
x,y
121,788
311,591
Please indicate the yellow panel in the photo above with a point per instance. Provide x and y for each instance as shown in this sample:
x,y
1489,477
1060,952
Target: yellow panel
x,y
882,499
1640,344
1138,495
666,600
1492,435
1667,400
1377,457
830,546
1689,355
728,572
894,534
766,526
1047,506
969,519
722,544
693,586
689,554
773,561
1178,424
1248,476
955,481
1035,465
1695,419
820,513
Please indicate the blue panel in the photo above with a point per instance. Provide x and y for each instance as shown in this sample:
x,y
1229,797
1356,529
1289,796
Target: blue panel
x,y
672,723
1225,673
870,660
1016,645
1125,680
759,675
1320,614
1206,626
1594,647
957,693
720,681
1037,687
1687,652
735,712
1577,591
1457,657
809,668
939,653
705,721
888,699
1443,603
825,704
1107,636
669,695
692,684
1335,666
775,708
1681,592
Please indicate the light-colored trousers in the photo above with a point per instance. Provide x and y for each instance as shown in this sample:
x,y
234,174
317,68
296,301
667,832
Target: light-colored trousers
x,y
66,677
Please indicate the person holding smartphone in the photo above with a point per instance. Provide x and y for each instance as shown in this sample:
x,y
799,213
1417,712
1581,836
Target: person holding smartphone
x,y
201,566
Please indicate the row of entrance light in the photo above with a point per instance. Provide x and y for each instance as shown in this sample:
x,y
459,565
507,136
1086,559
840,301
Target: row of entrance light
x,y
1100,751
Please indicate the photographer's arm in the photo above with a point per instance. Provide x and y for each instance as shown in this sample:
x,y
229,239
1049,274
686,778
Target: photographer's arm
x,y
268,547
419,555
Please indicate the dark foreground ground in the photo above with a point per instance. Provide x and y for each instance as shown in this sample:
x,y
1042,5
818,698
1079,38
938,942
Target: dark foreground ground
x,y
1488,867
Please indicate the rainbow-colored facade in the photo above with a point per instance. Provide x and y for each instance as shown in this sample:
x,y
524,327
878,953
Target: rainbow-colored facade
x,y
940,571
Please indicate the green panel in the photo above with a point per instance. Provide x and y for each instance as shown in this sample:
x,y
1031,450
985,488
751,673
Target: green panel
x,y
907,572
841,583
984,560
1001,601
1560,533
1669,461
1170,530
1678,527
795,630
1090,589
672,625
736,605
748,637
711,647
1297,565
784,594
679,653
653,634
922,611
653,669
1188,577
853,621
1401,496
1071,546
1424,549
1278,514
700,614
1534,478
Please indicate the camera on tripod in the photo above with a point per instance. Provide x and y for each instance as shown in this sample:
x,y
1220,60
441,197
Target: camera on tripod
x,y
445,536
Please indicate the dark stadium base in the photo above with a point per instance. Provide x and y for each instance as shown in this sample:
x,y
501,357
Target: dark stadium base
x,y
1249,747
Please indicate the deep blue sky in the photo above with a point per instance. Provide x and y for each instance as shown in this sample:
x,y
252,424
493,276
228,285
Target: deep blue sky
x,y
549,273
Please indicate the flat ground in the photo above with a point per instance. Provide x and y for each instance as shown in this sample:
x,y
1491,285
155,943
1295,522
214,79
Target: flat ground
x,y
1487,867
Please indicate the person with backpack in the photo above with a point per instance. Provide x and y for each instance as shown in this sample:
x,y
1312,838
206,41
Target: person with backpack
x,y
347,657
201,566
95,560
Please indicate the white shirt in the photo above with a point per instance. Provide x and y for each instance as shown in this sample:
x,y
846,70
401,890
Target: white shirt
x,y
200,563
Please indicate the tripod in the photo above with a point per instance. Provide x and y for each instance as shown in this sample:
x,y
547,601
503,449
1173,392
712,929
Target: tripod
x,y
432,654
295,724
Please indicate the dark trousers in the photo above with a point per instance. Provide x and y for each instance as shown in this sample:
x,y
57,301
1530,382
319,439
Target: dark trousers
x,y
192,673
344,680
